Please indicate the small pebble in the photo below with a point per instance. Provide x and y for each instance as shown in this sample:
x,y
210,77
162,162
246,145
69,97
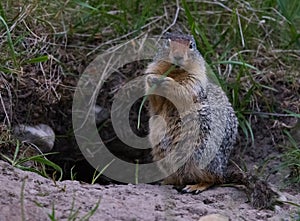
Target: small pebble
x,y
214,217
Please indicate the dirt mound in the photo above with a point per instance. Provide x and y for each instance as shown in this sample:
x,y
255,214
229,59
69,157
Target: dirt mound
x,y
30,196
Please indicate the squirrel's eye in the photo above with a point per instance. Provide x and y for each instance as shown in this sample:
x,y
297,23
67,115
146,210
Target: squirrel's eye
x,y
191,46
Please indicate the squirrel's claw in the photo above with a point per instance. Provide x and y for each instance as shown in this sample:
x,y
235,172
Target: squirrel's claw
x,y
196,188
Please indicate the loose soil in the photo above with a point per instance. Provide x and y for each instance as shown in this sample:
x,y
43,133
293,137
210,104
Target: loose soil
x,y
42,197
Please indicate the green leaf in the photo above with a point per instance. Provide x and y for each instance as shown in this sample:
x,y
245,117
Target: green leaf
x,y
86,5
92,212
237,63
37,60
292,114
41,159
95,177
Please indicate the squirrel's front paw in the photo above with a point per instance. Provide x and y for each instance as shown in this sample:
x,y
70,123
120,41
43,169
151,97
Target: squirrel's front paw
x,y
158,81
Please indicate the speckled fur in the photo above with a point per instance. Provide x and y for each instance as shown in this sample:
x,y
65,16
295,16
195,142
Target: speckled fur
x,y
213,115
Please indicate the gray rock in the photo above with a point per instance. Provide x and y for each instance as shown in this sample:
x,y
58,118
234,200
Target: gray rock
x,y
101,114
41,135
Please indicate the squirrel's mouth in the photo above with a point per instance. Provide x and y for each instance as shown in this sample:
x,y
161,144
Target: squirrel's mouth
x,y
177,64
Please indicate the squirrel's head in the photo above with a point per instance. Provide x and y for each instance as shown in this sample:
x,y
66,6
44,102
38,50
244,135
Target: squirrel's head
x,y
181,51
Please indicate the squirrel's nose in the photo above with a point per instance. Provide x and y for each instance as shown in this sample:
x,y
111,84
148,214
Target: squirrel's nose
x,y
178,59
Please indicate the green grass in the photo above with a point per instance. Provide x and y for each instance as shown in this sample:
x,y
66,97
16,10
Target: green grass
x,y
74,213
136,174
291,11
97,173
291,158
19,160
73,174
9,41
26,157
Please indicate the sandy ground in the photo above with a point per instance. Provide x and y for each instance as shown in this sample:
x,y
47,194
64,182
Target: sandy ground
x,y
72,199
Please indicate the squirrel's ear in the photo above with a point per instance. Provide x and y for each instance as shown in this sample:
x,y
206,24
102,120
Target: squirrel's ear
x,y
167,43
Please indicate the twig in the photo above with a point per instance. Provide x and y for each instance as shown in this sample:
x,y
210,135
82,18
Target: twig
x,y
240,27
4,109
175,18
124,36
285,51
269,114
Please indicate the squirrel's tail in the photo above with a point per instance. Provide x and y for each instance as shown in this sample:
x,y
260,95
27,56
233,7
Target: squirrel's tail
x,y
259,191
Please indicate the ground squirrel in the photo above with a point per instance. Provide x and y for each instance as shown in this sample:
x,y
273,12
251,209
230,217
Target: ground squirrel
x,y
179,72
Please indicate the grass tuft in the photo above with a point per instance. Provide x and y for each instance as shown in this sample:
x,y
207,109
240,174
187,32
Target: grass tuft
x,y
10,42
291,158
19,160
291,11
97,174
